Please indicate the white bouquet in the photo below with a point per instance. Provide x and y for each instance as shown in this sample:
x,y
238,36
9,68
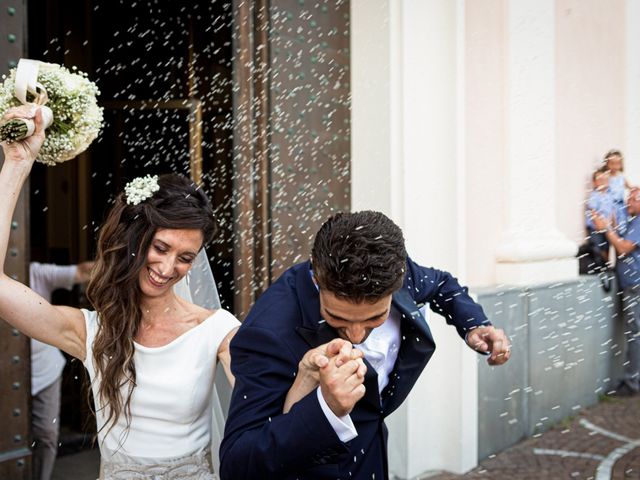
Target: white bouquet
x,y
70,111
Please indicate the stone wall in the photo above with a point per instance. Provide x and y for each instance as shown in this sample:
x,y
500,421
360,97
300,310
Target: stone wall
x,y
567,351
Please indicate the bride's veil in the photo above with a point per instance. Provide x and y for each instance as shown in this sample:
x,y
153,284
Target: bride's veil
x,y
199,287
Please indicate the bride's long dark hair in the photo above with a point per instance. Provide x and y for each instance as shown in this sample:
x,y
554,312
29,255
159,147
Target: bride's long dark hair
x,y
114,291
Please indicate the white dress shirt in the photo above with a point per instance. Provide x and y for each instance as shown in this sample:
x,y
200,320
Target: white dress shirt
x,y
47,363
381,351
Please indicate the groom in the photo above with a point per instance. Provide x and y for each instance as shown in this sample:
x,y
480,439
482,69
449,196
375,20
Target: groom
x,y
361,289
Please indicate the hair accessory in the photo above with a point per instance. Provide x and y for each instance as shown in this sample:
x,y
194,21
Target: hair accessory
x,y
141,188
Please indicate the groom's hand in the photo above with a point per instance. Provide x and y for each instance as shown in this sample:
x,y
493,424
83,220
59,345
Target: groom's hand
x,y
307,378
334,354
319,357
342,385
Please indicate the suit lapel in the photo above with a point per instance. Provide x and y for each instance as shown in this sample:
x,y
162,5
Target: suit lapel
x,y
308,298
315,337
416,348
371,396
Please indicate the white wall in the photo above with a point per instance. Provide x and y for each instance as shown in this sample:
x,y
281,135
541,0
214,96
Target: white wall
x,y
474,126
590,99
485,153
531,249
585,105
377,165
419,183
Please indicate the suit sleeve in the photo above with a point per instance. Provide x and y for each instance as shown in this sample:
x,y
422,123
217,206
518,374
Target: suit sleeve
x,y
260,441
445,296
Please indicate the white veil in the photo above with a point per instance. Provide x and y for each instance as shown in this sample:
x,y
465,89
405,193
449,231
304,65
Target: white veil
x,y
199,287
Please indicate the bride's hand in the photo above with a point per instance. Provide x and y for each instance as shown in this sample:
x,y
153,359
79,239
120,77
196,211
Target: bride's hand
x,y
308,375
317,358
25,151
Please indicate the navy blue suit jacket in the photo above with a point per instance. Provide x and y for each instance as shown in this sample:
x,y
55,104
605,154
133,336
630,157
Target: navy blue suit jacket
x,y
262,443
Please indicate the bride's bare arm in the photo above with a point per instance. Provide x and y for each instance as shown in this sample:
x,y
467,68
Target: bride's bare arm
x,y
224,356
308,375
307,379
62,327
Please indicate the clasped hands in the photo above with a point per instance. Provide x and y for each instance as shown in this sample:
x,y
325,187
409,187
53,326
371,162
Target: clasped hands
x,y
338,368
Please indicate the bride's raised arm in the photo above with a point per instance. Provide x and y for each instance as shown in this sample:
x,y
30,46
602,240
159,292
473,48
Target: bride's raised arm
x,y
62,327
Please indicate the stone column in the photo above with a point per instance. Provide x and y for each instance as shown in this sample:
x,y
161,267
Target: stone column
x,y
532,250
407,160
377,161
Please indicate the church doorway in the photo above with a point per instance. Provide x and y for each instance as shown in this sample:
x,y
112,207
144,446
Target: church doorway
x,y
164,70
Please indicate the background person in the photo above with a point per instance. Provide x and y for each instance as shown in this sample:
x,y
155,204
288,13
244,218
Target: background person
x,y
625,240
47,364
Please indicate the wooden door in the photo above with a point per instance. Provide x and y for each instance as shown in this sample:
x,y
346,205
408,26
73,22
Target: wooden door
x,y
291,133
164,72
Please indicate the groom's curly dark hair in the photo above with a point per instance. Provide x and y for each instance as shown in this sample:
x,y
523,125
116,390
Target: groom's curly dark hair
x,y
359,256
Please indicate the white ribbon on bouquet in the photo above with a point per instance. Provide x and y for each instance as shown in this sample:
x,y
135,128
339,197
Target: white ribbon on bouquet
x,y
27,81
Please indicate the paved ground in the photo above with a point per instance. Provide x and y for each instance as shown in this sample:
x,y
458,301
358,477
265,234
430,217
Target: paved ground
x,y
600,443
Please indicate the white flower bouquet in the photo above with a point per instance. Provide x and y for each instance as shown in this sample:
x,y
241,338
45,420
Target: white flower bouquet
x,y
68,101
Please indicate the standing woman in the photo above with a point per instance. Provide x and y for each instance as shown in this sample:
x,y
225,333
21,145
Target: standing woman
x,y
151,354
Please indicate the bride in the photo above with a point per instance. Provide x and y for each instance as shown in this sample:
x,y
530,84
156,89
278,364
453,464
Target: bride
x,y
151,354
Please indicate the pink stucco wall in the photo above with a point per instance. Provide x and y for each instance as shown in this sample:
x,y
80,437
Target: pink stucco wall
x,y
590,96
485,136
589,112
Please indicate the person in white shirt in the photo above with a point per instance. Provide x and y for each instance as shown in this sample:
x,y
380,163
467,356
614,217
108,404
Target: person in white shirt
x,y
47,364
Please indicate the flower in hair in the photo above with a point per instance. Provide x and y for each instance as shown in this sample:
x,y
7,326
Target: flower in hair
x,y
141,188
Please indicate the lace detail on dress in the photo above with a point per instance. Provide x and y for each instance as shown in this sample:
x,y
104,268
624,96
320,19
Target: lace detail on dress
x,y
192,467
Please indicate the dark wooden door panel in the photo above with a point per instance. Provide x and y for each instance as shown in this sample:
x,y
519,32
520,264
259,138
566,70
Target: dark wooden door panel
x,y
14,407
15,374
291,133
15,370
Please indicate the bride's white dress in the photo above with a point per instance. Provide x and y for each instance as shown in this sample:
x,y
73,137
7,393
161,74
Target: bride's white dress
x,y
171,407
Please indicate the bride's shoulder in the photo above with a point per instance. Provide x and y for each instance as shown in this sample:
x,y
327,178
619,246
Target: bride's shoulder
x,y
219,317
200,314
192,313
